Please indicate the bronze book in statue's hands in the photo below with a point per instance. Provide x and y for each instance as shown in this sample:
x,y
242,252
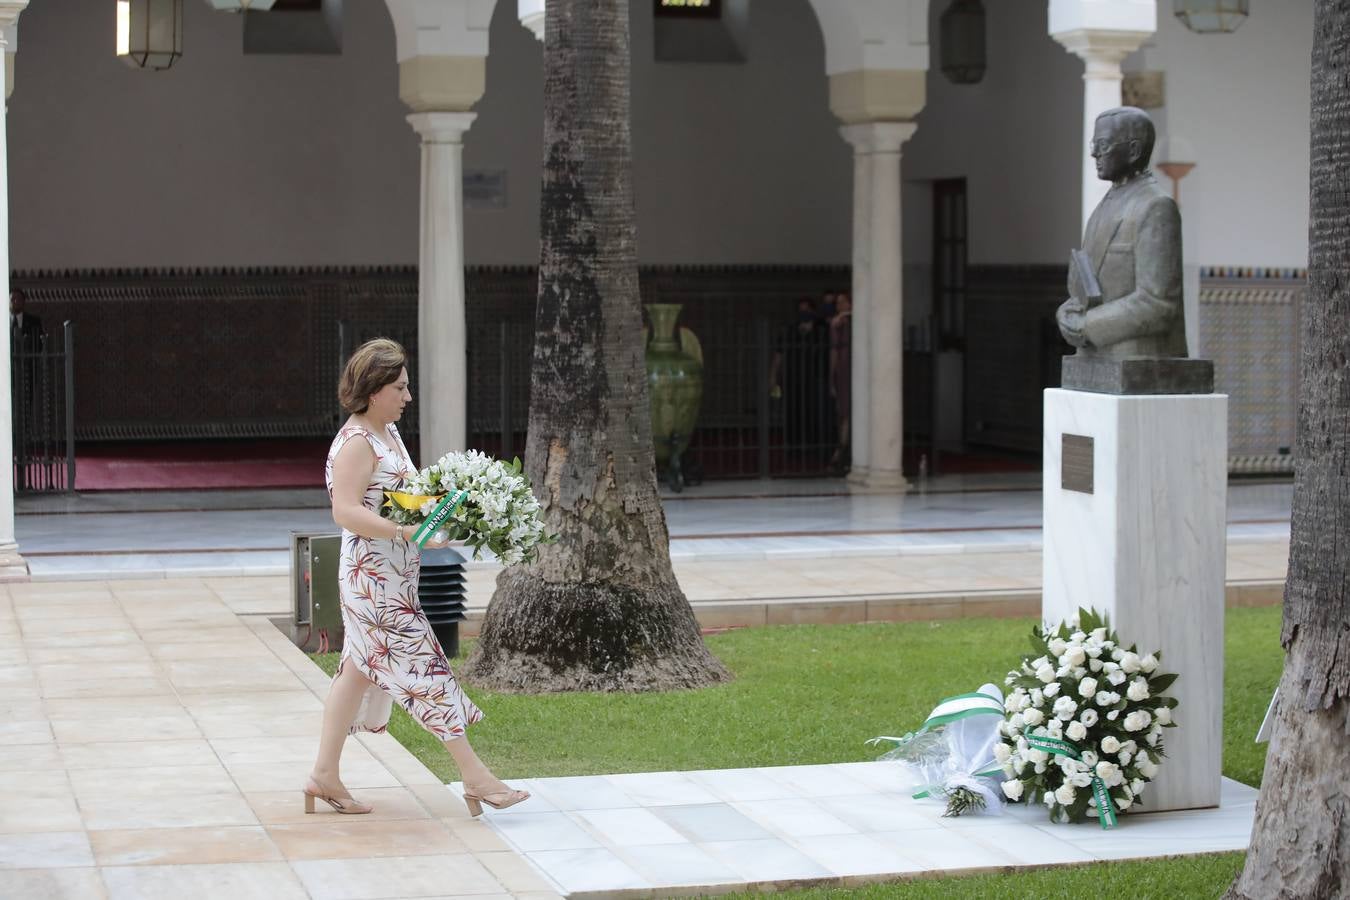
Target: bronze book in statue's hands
x,y
1083,284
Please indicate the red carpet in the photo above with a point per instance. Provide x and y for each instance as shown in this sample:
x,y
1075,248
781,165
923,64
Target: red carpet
x,y
200,465
208,465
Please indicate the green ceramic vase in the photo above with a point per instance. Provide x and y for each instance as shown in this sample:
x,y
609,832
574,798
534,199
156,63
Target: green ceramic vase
x,y
674,380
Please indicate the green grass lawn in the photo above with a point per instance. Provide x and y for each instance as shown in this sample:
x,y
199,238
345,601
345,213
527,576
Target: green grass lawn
x,y
815,694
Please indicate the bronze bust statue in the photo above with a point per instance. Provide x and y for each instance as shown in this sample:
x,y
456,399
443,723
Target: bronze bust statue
x,y
1125,287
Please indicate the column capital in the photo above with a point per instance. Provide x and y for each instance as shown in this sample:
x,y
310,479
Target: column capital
x,y
869,95
441,127
441,83
878,137
9,12
1102,50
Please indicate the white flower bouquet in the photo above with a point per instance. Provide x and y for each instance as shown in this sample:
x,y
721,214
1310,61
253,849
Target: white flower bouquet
x,y
474,498
1085,716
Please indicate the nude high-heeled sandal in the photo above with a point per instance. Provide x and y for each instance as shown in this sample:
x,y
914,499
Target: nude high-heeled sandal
x,y
509,798
348,806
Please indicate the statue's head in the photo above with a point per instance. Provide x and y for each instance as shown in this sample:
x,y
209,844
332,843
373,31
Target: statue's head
x,y
1122,142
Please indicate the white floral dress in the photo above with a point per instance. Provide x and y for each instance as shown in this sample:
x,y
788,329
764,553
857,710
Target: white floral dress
x,y
385,632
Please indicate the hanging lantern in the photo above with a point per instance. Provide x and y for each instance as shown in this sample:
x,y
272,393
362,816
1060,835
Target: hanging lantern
x,y
149,32
1211,16
962,36
241,5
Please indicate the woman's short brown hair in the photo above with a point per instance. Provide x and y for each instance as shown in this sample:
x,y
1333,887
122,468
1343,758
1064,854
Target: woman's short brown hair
x,y
373,365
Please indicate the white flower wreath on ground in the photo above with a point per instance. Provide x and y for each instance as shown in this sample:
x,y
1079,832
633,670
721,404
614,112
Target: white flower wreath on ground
x,y
1085,715
492,504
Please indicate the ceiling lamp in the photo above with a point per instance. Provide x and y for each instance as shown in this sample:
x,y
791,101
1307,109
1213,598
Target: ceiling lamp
x,y
241,5
149,32
962,56
1211,16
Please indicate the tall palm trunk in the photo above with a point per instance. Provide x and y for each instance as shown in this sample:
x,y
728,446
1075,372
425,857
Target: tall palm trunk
x,y
601,609
1301,840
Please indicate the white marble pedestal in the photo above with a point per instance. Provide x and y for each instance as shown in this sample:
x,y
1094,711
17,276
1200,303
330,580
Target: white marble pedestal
x,y
1147,547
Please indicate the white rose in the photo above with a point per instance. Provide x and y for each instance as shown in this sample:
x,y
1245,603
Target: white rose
x,y
1138,690
1094,665
1016,701
1113,714
1037,757
1033,717
1038,662
1087,687
1110,744
1077,637
1117,654
1111,667
1147,767
1002,753
1088,758
1056,647
1137,720
1163,715
1125,755
1130,663
1013,789
1051,689
1117,677
1048,798
1088,717
1065,794
1055,728
1017,721
1074,656
1064,708
1045,674
1075,731
1037,697
1137,786
1109,773
1148,663
1039,769
1124,803
1104,698
1080,779
1079,671
1019,765
1152,738
1099,634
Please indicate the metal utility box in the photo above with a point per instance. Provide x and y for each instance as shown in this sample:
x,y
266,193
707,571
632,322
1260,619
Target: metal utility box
x,y
316,624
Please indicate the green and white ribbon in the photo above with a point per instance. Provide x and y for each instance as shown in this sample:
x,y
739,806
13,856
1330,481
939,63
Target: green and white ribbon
x,y
952,709
439,516
1106,807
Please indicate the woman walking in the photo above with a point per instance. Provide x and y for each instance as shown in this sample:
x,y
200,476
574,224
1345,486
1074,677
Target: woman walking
x,y
389,652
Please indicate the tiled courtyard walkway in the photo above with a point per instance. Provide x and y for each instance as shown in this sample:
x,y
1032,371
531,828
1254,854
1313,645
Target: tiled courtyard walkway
x,y
154,736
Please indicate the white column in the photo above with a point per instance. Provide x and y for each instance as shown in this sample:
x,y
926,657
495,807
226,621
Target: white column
x,y
881,320
1102,33
859,417
441,387
1102,53
12,565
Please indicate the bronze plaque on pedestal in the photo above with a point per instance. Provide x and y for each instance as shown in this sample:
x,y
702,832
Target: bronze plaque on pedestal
x,y
1075,463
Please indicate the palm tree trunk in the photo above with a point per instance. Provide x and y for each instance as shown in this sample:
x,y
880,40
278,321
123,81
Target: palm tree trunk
x,y
1301,839
601,609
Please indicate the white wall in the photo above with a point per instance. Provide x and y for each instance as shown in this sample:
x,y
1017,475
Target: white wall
x,y
233,160
221,160
1239,105
1014,137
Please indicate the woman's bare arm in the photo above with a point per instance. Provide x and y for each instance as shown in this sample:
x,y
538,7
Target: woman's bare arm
x,y
352,469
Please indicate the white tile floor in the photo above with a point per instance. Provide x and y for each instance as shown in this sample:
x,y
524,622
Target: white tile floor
x,y
669,833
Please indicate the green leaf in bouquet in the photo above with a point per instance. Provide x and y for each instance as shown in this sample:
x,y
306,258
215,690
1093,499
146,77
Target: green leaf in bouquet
x,y
1159,683
961,801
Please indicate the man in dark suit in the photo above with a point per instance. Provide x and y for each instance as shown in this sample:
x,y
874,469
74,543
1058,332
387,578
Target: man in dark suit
x,y
23,325
1129,301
